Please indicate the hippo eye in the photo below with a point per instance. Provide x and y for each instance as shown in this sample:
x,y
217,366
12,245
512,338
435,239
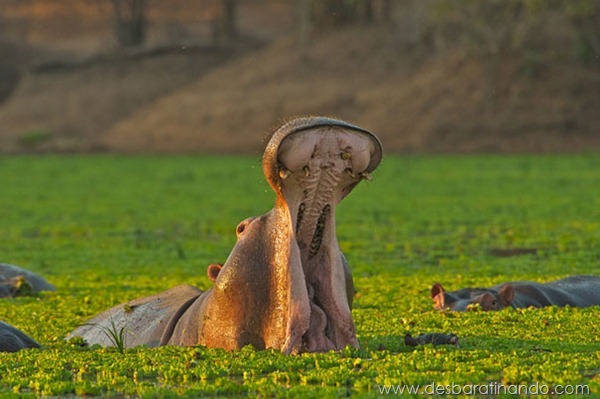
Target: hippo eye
x,y
240,228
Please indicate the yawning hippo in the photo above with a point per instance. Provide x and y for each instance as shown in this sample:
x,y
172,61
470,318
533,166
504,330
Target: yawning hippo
x,y
15,281
285,285
12,340
579,291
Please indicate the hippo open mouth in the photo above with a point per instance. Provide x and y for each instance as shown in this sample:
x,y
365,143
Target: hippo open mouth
x,y
285,284
312,164
316,170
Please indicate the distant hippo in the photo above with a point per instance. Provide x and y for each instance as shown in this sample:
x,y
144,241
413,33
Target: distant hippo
x,y
15,281
12,340
285,285
578,291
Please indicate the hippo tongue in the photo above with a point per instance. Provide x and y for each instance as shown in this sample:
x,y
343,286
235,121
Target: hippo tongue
x,y
315,169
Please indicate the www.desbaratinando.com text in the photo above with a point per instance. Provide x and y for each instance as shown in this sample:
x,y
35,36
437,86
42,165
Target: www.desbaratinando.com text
x,y
493,388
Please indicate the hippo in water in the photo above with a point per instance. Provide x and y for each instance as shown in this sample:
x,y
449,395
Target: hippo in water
x,y
15,281
578,291
285,284
12,340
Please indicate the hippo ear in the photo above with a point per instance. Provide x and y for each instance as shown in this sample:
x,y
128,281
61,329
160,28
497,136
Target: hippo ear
x,y
506,295
488,301
437,294
213,271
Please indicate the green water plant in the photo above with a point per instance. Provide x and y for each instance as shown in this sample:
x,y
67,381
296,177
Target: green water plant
x,y
108,229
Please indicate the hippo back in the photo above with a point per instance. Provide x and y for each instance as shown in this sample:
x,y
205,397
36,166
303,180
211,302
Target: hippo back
x,y
583,290
12,340
530,294
11,276
144,321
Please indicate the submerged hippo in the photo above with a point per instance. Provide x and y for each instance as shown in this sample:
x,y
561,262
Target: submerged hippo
x,y
285,285
12,340
15,281
579,291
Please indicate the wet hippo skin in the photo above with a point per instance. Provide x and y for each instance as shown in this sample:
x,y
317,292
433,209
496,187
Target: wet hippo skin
x,y
577,291
12,340
285,284
15,281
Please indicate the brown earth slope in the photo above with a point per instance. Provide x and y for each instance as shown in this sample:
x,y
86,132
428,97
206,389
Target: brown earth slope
x,y
64,108
221,101
417,103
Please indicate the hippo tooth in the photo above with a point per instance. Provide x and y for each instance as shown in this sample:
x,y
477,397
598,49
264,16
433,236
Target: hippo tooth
x,y
284,173
365,176
350,172
345,155
306,171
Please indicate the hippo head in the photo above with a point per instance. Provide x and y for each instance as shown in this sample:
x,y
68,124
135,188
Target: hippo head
x,y
472,298
286,284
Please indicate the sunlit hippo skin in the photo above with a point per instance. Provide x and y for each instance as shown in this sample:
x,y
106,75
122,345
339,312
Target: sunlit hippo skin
x,y
577,291
12,340
285,284
16,281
